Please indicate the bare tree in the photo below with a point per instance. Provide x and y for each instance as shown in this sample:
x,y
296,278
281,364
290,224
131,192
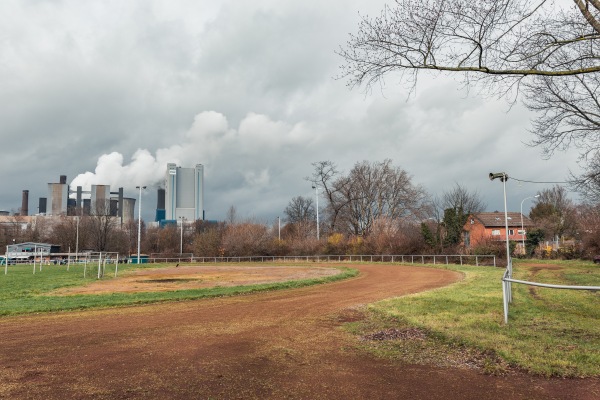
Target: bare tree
x,y
231,215
457,204
548,53
208,239
588,224
554,212
100,226
324,176
246,239
372,191
300,209
460,198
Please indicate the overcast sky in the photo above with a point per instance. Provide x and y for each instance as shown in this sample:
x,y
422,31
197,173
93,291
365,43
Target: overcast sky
x,y
108,92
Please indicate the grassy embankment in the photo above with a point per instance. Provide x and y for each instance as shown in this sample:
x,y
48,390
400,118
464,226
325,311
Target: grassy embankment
x,y
550,332
22,292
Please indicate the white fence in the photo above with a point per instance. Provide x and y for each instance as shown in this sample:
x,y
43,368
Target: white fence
x,y
412,259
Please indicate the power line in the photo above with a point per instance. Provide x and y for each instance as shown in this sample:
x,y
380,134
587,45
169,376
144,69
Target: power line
x,y
527,181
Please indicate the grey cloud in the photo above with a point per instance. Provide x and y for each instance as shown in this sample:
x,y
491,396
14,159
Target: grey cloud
x,y
81,80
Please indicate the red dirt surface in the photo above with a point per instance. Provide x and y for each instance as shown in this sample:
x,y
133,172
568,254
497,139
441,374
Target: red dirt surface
x,y
197,277
276,345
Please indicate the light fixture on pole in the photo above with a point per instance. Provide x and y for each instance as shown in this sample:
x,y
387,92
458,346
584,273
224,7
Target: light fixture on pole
x,y
181,237
506,285
503,178
317,198
77,241
139,223
522,227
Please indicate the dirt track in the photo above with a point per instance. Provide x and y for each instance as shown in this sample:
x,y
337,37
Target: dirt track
x,y
274,345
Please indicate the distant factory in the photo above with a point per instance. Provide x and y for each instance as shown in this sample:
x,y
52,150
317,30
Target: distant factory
x,y
98,201
181,199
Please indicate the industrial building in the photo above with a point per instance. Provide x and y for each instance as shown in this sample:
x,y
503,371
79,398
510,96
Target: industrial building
x,y
101,201
184,193
181,200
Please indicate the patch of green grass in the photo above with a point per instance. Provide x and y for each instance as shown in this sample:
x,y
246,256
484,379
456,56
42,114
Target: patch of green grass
x,y
22,292
550,332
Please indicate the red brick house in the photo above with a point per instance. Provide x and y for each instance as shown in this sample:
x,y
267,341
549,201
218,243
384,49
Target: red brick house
x,y
487,226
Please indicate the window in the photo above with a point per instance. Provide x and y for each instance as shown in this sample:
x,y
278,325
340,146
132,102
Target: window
x,y
495,232
521,231
511,232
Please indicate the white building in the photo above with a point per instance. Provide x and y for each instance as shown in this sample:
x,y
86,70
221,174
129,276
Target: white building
x,y
184,193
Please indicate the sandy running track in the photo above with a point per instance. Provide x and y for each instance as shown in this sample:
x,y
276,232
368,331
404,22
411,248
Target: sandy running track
x,y
276,345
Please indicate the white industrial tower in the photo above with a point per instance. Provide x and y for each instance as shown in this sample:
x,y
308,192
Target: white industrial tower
x,y
184,192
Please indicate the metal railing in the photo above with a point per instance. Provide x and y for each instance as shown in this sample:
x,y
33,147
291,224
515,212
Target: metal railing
x,y
507,282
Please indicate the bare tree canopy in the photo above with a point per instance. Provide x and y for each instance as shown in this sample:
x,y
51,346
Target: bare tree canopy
x,y
300,209
369,192
494,37
546,52
460,199
554,212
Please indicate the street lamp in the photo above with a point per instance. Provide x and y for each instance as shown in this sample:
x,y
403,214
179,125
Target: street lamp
x,y
139,223
317,197
181,238
522,227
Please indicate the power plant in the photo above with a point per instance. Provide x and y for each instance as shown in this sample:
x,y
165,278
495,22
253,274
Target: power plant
x,y
182,198
184,193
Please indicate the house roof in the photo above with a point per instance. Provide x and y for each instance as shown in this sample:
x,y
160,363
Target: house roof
x,y
496,219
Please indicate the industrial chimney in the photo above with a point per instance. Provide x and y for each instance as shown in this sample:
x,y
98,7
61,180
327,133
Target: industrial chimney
x,y
25,203
63,179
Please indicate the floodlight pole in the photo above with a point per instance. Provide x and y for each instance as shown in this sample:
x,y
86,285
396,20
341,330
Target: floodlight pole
x,y
181,237
317,200
522,227
503,178
506,286
77,241
139,223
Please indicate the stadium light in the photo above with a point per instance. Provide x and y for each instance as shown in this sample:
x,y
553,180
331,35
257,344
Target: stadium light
x,y
503,178
317,197
181,238
139,223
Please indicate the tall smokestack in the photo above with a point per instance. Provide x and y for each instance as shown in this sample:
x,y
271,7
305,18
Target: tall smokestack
x,y
160,201
42,205
25,203
63,179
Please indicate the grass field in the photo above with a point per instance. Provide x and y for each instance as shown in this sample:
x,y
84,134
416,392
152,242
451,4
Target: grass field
x,y
550,332
22,292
